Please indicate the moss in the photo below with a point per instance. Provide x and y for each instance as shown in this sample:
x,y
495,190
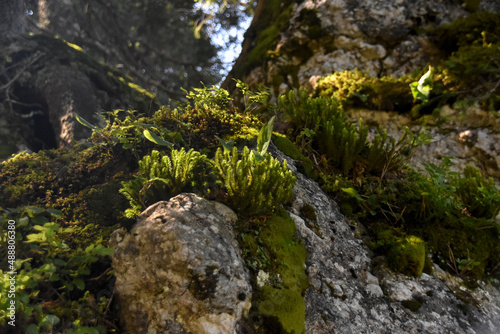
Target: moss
x,y
288,307
308,211
412,304
471,5
472,45
82,181
270,246
470,30
407,255
274,18
356,89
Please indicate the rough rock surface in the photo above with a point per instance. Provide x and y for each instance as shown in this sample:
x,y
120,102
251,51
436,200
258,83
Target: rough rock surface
x,y
179,269
350,293
376,37
470,136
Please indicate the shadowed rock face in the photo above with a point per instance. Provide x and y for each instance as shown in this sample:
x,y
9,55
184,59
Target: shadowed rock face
x,y
352,293
179,270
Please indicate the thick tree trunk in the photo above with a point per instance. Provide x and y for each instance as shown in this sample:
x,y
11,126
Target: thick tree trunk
x,y
12,17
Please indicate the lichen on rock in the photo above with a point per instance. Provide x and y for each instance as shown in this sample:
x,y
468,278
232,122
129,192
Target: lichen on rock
x,y
179,269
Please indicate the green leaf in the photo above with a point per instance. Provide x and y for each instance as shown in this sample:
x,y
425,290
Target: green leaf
x,y
103,251
84,122
421,89
23,221
258,156
35,238
40,220
32,329
353,193
151,136
228,146
86,330
54,212
79,283
49,320
264,137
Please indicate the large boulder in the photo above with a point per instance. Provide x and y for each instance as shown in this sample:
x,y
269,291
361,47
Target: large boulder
x,y
179,269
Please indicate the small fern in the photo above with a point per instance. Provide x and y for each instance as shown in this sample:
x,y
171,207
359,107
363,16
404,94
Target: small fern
x,y
342,143
253,186
160,178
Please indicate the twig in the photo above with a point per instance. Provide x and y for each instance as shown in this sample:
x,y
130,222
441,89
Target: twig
x,y
29,63
101,275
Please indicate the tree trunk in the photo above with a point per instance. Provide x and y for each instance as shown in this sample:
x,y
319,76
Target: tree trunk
x,y
12,17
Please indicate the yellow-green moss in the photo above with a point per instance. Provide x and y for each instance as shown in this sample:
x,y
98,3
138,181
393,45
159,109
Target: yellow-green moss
x,y
356,89
270,246
407,255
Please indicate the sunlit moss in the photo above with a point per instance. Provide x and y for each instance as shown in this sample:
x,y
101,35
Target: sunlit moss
x,y
270,246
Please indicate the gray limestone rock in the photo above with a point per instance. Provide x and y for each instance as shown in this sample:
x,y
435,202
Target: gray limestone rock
x,y
179,270
351,293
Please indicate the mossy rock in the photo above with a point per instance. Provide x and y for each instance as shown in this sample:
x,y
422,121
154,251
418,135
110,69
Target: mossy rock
x,y
276,14
357,89
407,255
270,245
467,31
286,306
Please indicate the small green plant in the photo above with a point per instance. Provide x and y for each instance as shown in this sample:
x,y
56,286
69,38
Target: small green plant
x,y
479,195
161,177
130,131
254,101
422,88
323,127
253,186
50,270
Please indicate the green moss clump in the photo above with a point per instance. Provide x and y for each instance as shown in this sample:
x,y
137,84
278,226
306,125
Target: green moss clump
x,y
253,186
479,195
271,249
286,306
471,30
162,176
472,45
412,304
356,89
407,255
308,211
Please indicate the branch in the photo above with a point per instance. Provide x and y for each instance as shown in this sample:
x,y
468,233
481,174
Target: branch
x,y
29,63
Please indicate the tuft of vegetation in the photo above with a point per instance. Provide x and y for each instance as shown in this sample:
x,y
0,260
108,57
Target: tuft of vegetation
x,y
471,70
161,177
323,127
53,260
480,196
253,186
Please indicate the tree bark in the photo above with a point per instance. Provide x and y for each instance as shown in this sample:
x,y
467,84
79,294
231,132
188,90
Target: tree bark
x,y
12,17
